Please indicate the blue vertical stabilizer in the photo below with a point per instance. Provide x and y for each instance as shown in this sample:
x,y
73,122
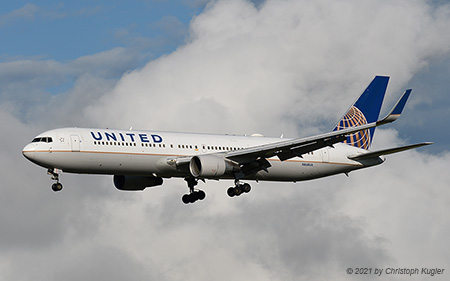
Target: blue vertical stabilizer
x,y
365,110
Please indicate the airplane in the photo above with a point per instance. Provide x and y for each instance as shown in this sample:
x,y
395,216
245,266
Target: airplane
x,y
141,159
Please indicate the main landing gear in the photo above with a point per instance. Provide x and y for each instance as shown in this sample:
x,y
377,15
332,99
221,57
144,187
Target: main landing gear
x,y
193,195
57,186
238,189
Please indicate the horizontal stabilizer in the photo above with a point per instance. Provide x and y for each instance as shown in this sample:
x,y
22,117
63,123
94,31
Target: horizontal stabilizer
x,y
386,151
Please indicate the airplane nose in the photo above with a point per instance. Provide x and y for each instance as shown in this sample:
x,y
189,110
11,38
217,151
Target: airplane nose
x,y
29,151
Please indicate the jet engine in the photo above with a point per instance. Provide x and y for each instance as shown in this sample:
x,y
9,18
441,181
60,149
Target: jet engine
x,y
210,166
136,182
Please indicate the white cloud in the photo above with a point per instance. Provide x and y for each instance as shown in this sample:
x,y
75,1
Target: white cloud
x,y
285,67
289,58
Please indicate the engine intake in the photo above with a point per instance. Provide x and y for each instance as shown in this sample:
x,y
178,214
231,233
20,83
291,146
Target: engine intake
x,y
209,166
136,182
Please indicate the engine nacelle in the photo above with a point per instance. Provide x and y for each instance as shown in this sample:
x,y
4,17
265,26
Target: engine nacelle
x,y
136,182
209,166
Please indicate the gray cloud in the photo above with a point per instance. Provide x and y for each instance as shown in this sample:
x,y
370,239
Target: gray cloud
x,y
33,86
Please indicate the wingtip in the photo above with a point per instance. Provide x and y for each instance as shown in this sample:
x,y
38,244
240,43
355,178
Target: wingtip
x,y
397,110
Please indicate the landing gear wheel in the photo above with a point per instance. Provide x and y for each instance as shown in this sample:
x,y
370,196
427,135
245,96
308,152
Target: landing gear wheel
x,y
57,187
186,199
246,188
201,195
193,195
238,189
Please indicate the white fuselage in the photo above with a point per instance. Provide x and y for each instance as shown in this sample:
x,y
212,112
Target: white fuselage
x,y
164,154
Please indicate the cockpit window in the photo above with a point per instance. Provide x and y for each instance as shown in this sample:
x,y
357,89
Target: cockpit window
x,y
43,139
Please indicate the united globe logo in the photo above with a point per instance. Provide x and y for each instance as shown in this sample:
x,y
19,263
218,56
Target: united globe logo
x,y
353,118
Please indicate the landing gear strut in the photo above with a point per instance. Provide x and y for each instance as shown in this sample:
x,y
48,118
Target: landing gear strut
x,y
193,194
238,189
57,186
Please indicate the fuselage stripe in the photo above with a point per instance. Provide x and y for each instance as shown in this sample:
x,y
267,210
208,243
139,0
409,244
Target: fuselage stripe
x,y
179,155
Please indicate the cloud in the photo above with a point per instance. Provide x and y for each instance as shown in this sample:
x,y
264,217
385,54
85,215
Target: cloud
x,y
32,86
27,12
288,67
166,35
278,57
52,12
268,70
111,63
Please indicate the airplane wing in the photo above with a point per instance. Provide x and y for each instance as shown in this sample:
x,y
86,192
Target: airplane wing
x,y
284,150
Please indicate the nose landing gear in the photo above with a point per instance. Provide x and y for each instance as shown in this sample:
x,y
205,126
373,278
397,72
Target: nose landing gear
x,y
57,186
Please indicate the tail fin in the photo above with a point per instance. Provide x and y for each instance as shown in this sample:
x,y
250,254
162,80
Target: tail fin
x,y
365,110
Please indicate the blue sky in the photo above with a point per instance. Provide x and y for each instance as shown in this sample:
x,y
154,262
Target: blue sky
x,y
273,67
46,38
65,30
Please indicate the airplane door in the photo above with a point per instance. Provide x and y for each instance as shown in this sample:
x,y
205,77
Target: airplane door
x,y
75,142
325,155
